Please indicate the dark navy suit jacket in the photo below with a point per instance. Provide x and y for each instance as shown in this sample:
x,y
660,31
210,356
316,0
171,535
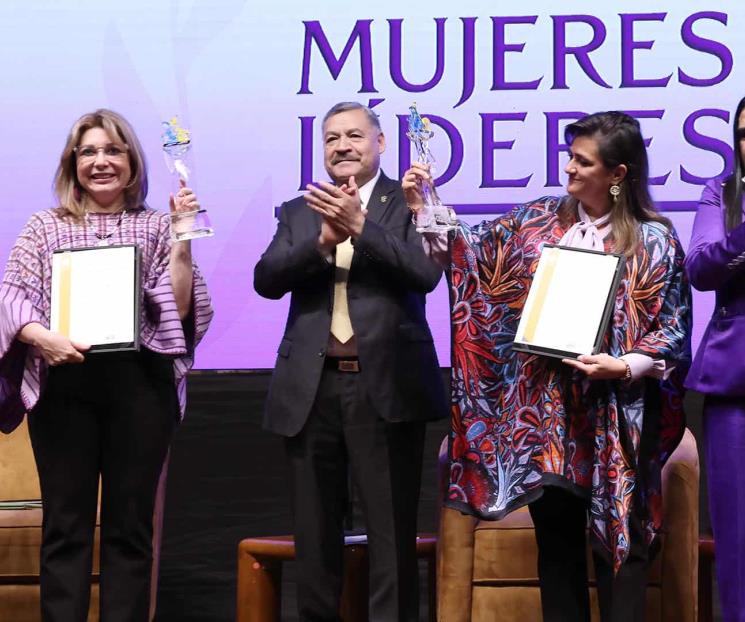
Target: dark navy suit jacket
x,y
388,279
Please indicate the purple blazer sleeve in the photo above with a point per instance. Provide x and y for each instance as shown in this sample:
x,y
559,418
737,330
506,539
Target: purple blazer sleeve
x,y
714,255
715,262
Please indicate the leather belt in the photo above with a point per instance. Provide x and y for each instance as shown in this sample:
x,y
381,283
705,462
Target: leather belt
x,y
345,364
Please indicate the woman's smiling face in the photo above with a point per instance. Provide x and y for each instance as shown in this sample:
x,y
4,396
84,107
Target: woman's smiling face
x,y
102,165
589,179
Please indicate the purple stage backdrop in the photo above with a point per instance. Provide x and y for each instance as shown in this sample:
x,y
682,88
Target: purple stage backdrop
x,y
252,78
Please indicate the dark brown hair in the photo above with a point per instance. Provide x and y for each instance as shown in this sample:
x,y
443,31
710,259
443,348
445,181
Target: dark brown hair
x,y
620,141
733,187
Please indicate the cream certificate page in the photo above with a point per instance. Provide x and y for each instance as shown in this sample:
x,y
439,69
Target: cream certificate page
x,y
566,302
94,296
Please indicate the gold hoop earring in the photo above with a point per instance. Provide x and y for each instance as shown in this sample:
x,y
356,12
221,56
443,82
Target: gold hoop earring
x,y
615,190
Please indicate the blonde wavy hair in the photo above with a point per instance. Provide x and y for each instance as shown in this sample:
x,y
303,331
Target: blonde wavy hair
x,y
70,194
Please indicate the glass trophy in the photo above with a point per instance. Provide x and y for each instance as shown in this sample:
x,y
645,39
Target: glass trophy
x,y
433,217
177,152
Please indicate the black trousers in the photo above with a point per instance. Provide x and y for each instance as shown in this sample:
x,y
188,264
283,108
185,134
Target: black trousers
x,y
344,432
113,415
560,520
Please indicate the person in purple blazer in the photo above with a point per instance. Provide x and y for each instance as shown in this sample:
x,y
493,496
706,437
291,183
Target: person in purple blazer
x,y
108,415
716,261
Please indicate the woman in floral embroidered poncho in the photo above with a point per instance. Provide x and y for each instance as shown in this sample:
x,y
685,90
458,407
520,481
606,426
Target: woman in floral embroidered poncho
x,y
571,438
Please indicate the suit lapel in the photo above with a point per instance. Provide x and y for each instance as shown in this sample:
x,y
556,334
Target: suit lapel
x,y
381,198
380,202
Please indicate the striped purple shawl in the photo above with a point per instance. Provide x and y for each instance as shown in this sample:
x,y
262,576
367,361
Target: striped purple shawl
x,y
25,294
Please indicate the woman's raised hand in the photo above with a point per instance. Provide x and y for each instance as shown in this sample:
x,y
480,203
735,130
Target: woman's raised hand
x,y
184,200
411,184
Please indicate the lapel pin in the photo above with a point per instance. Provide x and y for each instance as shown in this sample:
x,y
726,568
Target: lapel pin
x,y
384,198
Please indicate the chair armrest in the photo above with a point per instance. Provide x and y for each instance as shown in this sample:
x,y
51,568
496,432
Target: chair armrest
x,y
455,544
680,485
260,578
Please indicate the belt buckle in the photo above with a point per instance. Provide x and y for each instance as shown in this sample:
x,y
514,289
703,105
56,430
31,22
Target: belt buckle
x,y
349,366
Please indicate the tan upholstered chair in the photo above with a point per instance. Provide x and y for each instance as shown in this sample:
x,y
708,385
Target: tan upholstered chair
x,y
20,533
487,569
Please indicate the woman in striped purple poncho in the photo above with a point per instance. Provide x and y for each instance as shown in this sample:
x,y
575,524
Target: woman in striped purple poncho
x,y
106,414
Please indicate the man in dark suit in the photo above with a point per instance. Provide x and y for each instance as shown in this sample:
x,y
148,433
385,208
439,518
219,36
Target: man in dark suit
x,y
356,376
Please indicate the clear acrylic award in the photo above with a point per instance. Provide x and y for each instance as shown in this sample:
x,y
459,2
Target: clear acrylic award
x,y
177,151
433,217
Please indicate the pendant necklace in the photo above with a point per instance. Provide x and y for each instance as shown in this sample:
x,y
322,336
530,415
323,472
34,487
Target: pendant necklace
x,y
104,239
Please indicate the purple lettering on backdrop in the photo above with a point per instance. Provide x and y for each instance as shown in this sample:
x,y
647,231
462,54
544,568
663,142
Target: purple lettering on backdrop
x,y
489,145
456,147
580,52
314,32
660,180
395,59
628,45
553,146
499,81
306,151
469,58
707,143
715,48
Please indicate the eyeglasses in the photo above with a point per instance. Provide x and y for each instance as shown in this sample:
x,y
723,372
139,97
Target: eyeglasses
x,y
112,151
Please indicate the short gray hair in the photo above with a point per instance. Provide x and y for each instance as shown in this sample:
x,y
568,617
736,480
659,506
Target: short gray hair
x,y
346,106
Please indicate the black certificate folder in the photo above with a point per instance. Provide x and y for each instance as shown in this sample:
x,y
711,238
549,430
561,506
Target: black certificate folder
x,y
570,302
96,296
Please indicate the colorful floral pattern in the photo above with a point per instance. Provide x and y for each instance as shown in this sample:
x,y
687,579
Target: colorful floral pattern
x,y
521,421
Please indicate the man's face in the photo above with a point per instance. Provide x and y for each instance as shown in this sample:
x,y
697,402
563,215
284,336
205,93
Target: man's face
x,y
352,146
